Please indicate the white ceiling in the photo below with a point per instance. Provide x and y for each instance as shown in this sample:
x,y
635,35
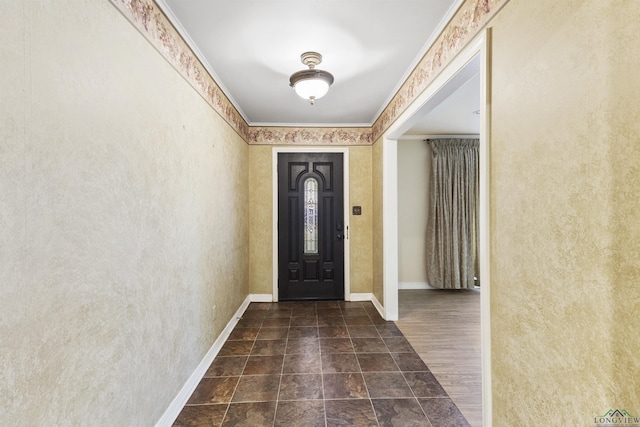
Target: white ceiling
x,y
458,114
251,47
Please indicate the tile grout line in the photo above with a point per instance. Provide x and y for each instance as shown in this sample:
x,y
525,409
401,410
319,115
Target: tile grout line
x,y
373,408
241,374
413,393
377,326
324,394
284,358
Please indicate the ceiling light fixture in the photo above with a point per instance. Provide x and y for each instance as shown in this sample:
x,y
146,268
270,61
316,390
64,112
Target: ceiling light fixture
x,y
311,84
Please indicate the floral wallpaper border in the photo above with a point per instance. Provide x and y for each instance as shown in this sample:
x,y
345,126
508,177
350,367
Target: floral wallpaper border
x,y
152,23
309,136
466,24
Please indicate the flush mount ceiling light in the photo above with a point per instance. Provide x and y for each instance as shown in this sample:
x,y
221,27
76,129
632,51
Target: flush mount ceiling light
x,y
311,84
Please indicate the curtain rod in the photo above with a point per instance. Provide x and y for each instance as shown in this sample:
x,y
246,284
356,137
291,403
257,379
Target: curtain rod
x,y
449,137
465,136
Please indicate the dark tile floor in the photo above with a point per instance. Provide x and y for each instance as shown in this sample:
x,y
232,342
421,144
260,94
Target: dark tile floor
x,y
323,363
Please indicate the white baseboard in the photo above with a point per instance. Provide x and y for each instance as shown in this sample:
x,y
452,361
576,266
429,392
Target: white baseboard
x,y
378,306
413,285
372,298
361,297
181,399
174,409
261,297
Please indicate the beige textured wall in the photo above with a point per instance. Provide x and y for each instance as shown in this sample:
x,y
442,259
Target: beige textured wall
x,y
565,300
261,201
414,175
376,176
122,222
360,230
261,219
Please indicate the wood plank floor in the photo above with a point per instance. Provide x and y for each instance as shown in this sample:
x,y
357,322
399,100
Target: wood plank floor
x,y
444,328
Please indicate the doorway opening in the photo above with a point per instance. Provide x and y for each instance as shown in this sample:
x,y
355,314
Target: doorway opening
x,y
458,71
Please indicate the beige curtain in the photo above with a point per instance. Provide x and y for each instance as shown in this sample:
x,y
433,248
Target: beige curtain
x,y
452,223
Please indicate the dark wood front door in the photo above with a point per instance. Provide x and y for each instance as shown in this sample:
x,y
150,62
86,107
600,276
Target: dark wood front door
x,y
310,226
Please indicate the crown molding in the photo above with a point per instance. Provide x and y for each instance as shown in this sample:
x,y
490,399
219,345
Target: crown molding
x,y
149,19
165,33
423,51
175,22
468,21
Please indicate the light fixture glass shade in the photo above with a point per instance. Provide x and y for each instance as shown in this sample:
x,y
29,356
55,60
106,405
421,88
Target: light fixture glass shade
x,y
311,84
312,88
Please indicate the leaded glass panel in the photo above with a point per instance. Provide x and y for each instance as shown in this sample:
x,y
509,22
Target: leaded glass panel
x,y
310,216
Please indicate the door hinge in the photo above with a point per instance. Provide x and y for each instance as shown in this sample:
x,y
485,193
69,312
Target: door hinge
x,y
347,233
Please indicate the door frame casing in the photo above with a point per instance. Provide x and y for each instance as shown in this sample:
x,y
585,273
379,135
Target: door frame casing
x,y
480,48
345,183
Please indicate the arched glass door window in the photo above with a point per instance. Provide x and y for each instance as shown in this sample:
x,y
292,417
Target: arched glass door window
x,y
310,216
